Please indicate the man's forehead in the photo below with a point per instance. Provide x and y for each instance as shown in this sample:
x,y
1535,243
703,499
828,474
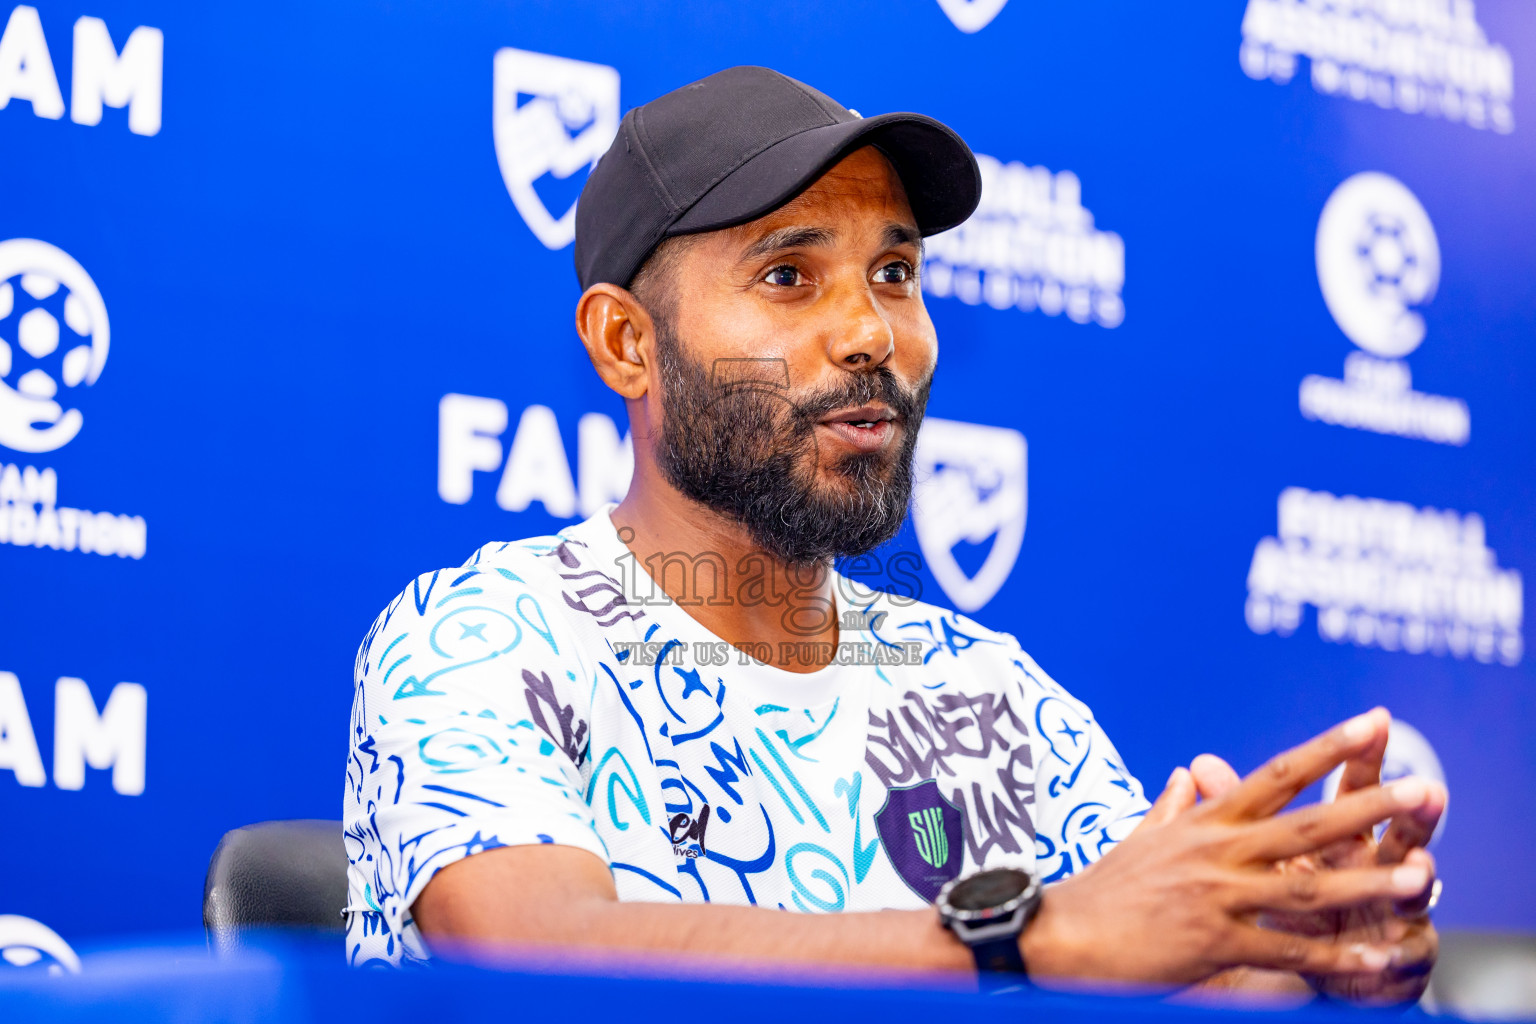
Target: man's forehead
x,y
862,186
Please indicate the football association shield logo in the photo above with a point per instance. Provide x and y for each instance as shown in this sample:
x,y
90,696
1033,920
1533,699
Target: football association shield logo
x,y
924,836
972,15
551,116
970,487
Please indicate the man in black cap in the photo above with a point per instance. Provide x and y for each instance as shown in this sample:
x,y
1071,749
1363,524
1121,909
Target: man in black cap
x,y
658,728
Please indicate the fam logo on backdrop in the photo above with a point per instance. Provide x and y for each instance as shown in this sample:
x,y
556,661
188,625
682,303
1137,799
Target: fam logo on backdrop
x,y
969,501
1030,245
534,467
101,75
552,117
1421,58
1377,260
54,340
112,738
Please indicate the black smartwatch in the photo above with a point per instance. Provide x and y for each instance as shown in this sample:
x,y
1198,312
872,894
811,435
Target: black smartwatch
x,y
988,911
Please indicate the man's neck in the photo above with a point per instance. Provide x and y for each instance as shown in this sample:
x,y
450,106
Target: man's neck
x,y
708,565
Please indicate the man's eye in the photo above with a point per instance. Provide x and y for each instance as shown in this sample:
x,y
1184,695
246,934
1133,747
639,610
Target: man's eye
x,y
898,272
785,276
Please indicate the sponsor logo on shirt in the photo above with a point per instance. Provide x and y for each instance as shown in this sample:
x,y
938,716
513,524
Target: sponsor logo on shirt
x,y
924,836
687,833
552,117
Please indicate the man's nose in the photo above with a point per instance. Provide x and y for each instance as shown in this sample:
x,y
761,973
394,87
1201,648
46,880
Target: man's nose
x,y
861,336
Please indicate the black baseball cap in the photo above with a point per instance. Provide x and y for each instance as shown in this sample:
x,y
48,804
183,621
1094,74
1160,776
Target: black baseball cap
x,y
739,144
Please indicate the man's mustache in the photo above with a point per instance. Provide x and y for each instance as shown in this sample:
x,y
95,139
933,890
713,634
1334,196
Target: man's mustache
x,y
862,388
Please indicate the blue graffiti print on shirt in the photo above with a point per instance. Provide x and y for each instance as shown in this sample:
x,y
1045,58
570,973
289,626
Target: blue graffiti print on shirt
x,y
1070,740
863,854
466,637
833,893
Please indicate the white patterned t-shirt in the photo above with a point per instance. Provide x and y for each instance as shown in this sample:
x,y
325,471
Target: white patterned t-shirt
x,y
547,692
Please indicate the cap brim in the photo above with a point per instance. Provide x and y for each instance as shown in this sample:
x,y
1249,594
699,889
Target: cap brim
x,y
937,170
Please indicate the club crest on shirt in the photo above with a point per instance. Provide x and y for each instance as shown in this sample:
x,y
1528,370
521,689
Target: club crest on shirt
x,y
923,835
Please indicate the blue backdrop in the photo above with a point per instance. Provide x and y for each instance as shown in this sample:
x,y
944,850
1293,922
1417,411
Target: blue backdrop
x,y
249,250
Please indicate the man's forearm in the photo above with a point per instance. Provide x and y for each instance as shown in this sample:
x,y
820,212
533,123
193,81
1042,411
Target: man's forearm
x,y
748,937
481,909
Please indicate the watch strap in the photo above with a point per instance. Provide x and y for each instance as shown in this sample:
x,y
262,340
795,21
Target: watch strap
x,y
999,956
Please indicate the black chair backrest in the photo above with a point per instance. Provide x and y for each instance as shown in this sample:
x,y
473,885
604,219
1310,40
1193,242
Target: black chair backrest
x,y
275,874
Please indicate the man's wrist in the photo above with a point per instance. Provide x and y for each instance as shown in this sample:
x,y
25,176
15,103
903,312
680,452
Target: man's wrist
x,y
1046,944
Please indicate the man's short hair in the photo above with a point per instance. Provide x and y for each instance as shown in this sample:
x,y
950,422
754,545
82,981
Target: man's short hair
x,y
655,283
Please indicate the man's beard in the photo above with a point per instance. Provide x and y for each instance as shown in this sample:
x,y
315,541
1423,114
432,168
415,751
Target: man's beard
x,y
744,446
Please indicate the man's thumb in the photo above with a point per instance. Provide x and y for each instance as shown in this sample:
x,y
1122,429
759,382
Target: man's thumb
x,y
1178,796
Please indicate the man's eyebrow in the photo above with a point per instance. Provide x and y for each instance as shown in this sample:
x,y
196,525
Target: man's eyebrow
x,y
902,234
786,238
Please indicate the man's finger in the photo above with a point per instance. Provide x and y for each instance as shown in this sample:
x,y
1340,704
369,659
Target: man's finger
x,y
1213,777
1364,769
1414,828
1178,795
1416,904
1315,827
1416,952
1306,891
1252,946
1276,783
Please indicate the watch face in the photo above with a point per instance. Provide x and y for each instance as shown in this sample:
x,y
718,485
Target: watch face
x,y
988,889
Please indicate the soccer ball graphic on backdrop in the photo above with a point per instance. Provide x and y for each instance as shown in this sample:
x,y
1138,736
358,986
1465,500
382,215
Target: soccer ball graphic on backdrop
x,y
53,341
1390,261
1377,258
33,946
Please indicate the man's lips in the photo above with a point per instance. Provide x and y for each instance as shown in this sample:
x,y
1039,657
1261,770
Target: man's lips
x,y
860,414
867,428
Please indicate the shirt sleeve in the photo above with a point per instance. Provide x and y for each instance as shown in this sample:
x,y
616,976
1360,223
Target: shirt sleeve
x,y
469,732
1085,799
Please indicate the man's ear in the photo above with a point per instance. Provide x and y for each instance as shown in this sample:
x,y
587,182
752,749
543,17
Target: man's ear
x,y
617,332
